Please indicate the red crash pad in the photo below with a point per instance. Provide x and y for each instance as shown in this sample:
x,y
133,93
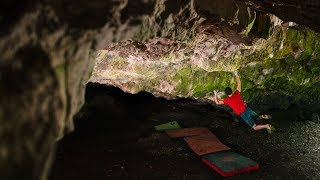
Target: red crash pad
x,y
229,163
205,144
186,132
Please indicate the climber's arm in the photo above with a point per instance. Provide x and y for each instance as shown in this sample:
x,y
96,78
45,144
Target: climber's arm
x,y
218,102
238,82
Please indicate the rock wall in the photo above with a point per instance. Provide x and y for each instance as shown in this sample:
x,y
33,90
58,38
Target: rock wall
x,y
47,57
40,90
278,61
304,12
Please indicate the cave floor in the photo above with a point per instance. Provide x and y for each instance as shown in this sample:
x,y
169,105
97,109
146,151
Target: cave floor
x,y
114,139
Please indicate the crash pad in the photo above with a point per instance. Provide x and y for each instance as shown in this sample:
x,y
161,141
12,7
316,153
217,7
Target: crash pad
x,y
205,144
186,132
166,126
229,163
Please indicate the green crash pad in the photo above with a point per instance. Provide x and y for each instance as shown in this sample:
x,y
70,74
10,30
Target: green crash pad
x,y
229,163
166,126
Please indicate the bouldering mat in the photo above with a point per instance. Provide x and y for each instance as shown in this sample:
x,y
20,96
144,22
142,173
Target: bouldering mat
x,y
229,163
205,144
166,126
186,132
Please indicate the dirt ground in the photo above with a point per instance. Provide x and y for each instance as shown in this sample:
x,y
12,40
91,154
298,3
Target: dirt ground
x,y
115,139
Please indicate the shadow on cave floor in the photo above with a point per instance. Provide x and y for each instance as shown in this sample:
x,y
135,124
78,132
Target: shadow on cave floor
x,y
114,139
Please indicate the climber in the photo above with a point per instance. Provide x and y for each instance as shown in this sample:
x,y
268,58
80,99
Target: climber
x,y
239,107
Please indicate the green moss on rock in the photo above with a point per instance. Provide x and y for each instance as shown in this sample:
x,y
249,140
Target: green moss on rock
x,y
275,72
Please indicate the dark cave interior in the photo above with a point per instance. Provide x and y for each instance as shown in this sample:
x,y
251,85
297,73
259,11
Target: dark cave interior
x,y
114,138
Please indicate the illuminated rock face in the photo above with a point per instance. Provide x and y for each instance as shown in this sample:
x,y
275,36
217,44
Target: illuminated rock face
x,y
283,67
179,49
278,61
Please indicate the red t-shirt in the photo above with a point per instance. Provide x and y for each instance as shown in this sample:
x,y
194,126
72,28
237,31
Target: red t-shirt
x,y
235,102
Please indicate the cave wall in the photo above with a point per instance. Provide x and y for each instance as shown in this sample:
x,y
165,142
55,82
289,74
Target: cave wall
x,y
47,56
40,90
278,60
304,12
276,72
48,48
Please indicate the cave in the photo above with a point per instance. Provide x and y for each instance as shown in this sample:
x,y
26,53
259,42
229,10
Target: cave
x,y
114,138
84,83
